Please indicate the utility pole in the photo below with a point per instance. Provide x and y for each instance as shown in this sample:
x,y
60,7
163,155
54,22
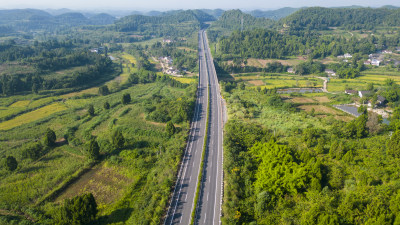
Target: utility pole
x,y
242,24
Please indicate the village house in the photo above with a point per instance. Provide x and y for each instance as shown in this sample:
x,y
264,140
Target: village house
x,y
368,62
387,52
351,92
347,55
290,70
375,62
330,72
168,41
380,101
364,93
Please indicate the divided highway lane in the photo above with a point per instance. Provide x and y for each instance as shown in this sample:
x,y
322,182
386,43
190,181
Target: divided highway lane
x,y
211,193
182,202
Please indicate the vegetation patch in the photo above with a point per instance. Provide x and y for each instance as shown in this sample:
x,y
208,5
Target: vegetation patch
x,y
32,116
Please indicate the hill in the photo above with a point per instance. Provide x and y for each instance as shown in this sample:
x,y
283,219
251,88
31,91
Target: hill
x,y
274,14
232,20
102,19
318,18
214,12
16,15
173,23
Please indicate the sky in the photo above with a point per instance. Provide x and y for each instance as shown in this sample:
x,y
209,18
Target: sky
x,y
185,4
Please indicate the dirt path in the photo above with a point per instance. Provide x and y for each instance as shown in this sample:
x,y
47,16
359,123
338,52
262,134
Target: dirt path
x,y
324,88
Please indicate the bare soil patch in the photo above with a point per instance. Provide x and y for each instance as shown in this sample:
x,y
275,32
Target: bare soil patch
x,y
300,100
319,109
103,182
256,82
322,99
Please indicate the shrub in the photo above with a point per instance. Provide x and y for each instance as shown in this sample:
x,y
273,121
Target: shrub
x,y
126,99
49,138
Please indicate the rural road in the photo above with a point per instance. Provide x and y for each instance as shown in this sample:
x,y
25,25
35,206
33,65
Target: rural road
x,y
182,202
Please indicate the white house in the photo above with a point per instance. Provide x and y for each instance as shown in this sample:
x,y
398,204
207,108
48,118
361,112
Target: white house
x,y
375,62
290,70
347,55
330,72
387,52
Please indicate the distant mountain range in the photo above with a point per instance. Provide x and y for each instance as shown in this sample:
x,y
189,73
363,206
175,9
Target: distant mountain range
x,y
19,17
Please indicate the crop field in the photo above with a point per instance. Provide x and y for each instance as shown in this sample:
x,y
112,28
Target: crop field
x,y
293,61
39,177
129,58
119,183
186,80
32,116
23,103
283,83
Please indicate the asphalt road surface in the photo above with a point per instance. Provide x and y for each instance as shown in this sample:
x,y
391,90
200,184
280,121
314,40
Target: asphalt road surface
x,y
211,192
182,202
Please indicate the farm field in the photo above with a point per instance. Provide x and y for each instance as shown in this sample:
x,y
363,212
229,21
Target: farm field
x,y
121,180
32,116
186,80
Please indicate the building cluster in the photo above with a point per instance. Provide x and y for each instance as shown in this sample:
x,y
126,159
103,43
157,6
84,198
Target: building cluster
x,y
167,66
98,50
380,100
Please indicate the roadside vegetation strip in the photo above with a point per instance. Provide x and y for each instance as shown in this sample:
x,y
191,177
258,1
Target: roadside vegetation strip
x,y
32,116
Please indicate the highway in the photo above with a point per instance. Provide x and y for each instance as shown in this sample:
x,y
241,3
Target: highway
x,y
209,203
182,202
211,192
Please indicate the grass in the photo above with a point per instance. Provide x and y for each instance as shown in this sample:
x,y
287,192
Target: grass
x,y
36,179
32,116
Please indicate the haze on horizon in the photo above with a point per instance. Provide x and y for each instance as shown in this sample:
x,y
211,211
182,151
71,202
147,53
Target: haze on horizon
x,y
182,4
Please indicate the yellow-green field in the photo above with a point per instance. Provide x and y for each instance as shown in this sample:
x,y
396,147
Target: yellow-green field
x,y
185,80
129,57
23,103
375,77
282,83
32,116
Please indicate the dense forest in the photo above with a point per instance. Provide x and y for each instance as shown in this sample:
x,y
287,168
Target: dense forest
x,y
262,43
322,172
47,57
232,20
176,24
317,18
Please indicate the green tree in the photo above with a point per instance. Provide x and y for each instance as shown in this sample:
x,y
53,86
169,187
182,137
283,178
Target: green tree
x,y
393,145
170,128
103,90
126,99
118,139
11,163
91,110
49,138
80,210
106,105
32,151
93,149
